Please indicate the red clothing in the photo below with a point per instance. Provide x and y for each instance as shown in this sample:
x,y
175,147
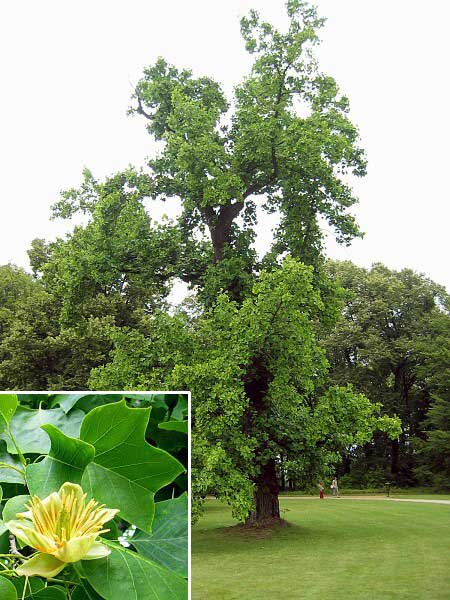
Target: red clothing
x,y
321,493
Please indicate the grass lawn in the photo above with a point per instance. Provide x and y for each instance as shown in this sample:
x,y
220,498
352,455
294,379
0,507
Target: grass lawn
x,y
332,549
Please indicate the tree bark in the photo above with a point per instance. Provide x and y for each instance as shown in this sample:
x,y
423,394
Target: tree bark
x,y
395,458
219,225
267,506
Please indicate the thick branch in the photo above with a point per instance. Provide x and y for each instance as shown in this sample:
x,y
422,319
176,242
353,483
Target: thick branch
x,y
140,109
219,225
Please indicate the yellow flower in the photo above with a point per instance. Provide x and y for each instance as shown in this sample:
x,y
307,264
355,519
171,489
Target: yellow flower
x,y
63,528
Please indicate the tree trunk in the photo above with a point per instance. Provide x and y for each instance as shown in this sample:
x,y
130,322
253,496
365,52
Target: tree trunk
x,y
395,458
220,224
267,506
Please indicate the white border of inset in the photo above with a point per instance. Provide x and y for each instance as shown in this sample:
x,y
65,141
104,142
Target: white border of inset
x,y
87,392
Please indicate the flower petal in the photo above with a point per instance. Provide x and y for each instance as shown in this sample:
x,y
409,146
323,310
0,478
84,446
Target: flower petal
x,y
43,565
98,550
31,537
73,488
75,549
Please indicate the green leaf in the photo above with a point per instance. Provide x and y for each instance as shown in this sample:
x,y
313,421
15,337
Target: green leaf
x,y
85,592
126,574
33,586
14,506
7,590
126,471
85,401
8,405
50,593
113,533
180,426
4,539
66,461
66,401
10,475
168,542
26,428
181,409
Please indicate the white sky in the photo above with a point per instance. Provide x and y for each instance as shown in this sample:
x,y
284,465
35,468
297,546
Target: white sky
x,y
68,69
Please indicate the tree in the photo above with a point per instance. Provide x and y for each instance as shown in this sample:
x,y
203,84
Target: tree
x,y
434,451
247,346
390,346
258,379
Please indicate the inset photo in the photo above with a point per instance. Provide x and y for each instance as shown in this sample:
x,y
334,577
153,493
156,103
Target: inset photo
x,y
94,495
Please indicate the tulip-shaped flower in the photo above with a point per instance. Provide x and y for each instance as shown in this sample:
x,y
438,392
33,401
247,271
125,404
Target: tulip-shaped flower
x,y
63,528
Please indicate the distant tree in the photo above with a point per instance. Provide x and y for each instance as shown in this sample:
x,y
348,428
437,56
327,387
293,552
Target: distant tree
x,y
385,347
434,450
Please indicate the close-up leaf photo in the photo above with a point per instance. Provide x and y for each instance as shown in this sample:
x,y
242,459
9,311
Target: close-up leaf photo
x,y
94,496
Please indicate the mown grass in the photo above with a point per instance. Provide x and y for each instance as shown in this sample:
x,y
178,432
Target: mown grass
x,y
331,549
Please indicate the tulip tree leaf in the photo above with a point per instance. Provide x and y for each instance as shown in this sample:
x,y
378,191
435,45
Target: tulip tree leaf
x,y
26,427
9,475
49,593
85,401
66,401
34,584
14,506
4,539
7,590
8,405
85,592
126,471
126,574
181,409
168,542
66,461
180,426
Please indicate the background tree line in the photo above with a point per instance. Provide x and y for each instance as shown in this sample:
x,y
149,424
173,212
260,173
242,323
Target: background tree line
x,y
293,362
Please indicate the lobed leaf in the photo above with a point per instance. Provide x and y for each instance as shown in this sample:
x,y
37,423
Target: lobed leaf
x,y
125,574
66,461
168,542
26,427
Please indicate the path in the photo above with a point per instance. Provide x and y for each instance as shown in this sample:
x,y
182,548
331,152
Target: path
x,y
423,500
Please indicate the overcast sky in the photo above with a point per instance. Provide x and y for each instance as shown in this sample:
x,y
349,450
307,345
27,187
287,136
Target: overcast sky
x,y
68,70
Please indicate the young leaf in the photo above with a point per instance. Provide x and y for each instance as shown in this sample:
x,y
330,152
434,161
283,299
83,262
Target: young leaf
x,y
126,574
66,461
168,542
126,471
26,427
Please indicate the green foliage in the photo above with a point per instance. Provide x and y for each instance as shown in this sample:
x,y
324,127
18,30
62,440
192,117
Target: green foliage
x,y
122,571
167,544
392,345
434,451
114,438
116,474
66,461
26,428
